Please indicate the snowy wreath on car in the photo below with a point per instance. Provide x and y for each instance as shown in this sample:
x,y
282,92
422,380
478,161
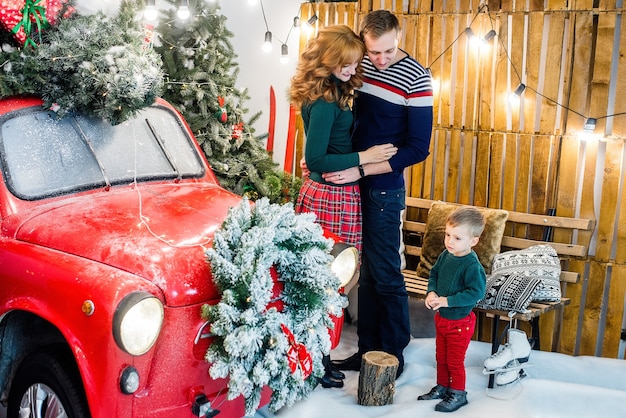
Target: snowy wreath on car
x,y
270,328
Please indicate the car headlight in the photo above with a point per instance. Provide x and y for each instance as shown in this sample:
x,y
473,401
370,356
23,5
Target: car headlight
x,y
345,263
137,322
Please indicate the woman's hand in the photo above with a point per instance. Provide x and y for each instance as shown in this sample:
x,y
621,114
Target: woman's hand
x,y
377,153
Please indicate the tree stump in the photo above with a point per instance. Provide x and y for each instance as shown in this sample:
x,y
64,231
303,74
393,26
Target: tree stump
x,y
377,380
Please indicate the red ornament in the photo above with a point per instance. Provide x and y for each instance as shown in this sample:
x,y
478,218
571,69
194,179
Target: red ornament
x,y
11,14
221,113
238,130
297,354
148,37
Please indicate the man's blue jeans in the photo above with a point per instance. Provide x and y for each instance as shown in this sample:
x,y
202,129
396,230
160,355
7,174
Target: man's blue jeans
x,y
383,310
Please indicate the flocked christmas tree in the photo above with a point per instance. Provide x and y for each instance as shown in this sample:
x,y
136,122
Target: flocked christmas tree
x,y
201,71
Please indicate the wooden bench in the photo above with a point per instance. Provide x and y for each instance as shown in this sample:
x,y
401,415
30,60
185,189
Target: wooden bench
x,y
413,231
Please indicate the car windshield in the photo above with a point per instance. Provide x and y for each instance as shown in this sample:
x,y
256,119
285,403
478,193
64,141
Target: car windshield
x,y
45,156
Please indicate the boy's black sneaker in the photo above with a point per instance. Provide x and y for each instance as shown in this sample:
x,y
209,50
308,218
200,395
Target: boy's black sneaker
x,y
436,392
452,400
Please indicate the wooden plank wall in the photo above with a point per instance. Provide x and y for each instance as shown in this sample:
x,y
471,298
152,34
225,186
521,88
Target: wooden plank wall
x,y
529,155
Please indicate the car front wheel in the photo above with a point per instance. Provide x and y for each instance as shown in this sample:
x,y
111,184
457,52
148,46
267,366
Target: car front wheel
x,y
46,385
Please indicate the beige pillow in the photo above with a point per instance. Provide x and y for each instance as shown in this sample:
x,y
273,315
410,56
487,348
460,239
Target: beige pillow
x,y
486,249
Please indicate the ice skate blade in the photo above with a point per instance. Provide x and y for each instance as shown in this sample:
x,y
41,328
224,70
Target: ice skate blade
x,y
509,391
507,368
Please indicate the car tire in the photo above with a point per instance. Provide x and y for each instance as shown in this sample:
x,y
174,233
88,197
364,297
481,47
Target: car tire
x,y
52,378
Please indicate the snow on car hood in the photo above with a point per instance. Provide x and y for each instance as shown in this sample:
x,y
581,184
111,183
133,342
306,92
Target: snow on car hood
x,y
158,232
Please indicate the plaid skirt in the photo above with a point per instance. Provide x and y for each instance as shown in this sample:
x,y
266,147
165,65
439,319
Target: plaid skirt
x,y
338,209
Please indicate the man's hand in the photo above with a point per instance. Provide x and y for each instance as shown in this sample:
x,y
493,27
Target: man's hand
x,y
349,175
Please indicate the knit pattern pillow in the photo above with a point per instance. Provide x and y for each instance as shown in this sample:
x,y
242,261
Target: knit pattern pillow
x,y
539,261
432,244
508,293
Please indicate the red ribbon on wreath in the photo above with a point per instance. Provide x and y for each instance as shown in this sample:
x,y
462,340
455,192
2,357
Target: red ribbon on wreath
x,y
297,354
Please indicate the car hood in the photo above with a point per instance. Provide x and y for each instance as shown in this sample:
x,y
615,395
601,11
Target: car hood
x,y
158,232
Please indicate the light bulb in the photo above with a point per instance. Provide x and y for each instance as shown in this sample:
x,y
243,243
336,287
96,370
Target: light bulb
x,y
590,125
183,10
267,45
150,13
284,54
489,36
514,97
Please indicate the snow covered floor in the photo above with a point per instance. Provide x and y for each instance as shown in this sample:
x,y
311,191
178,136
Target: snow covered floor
x,y
557,385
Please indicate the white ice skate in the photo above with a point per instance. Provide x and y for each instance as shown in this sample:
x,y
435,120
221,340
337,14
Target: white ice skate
x,y
517,349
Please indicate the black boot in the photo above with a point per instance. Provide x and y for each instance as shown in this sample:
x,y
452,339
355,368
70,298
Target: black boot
x,y
329,382
351,363
452,400
436,392
332,378
331,370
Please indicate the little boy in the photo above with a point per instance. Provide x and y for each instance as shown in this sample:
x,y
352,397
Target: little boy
x,y
457,281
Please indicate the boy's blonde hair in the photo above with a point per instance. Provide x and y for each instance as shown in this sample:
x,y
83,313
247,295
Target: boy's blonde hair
x,y
468,216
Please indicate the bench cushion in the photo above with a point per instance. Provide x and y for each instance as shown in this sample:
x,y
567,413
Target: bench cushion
x,y
540,262
488,245
509,293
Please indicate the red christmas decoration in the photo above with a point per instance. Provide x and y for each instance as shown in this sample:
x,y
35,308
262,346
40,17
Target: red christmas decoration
x,y
297,354
237,130
148,35
221,113
11,15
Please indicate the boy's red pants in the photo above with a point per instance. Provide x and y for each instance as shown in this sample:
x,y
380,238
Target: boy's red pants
x,y
452,339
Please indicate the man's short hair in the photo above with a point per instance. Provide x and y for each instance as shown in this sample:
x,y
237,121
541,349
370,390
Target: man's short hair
x,y
379,22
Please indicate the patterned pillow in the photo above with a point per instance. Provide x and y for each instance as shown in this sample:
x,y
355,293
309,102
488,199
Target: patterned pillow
x,y
539,261
432,244
508,293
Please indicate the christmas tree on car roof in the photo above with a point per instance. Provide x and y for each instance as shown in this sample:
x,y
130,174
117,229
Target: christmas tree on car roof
x,y
110,67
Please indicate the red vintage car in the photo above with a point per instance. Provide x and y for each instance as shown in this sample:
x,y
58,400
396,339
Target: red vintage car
x,y
102,265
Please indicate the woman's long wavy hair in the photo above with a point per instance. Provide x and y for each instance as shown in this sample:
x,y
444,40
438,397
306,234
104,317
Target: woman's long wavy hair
x,y
332,48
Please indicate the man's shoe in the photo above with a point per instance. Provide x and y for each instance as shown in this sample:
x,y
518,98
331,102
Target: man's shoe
x,y
452,400
351,363
329,382
436,392
400,368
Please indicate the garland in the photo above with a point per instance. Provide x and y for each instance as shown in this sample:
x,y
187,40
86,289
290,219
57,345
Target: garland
x,y
270,333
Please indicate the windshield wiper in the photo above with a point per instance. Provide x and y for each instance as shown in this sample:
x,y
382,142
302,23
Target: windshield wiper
x,y
170,159
87,142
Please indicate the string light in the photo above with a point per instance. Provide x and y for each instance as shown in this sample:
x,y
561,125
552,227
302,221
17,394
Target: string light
x,y
489,36
284,54
150,12
515,96
269,36
267,45
590,125
183,10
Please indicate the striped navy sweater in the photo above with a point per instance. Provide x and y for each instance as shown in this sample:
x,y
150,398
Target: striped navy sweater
x,y
394,105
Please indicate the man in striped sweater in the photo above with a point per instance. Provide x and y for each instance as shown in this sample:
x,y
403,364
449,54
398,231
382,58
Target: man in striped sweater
x,y
393,106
